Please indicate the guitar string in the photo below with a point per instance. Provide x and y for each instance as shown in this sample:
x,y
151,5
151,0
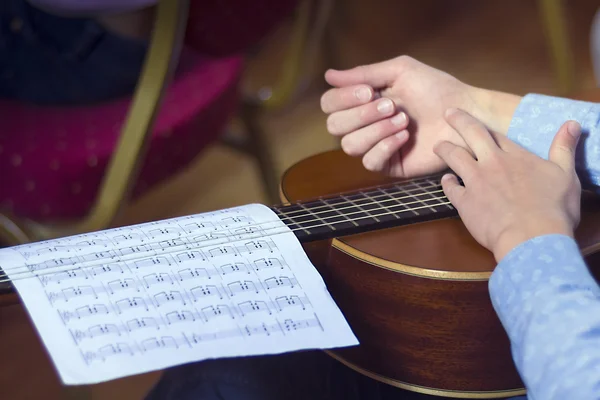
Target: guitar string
x,y
292,221
18,275
260,234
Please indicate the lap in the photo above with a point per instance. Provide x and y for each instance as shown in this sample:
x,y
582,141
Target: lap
x,y
310,375
50,59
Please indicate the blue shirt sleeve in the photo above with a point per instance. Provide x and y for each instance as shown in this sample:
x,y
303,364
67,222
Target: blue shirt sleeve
x,y
542,291
537,120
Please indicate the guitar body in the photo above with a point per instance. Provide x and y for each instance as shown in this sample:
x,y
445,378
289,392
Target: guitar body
x,y
416,296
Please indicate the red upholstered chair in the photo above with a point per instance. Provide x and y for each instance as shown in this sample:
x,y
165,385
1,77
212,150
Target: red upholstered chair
x,y
66,170
54,159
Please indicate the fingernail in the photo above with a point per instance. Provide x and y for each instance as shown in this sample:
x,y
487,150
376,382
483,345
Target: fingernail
x,y
363,94
402,135
385,106
574,129
399,119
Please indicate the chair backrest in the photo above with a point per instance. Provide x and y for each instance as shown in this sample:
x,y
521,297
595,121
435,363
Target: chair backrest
x,y
161,61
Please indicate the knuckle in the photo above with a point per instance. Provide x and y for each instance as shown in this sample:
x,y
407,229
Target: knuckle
x,y
404,59
385,146
564,148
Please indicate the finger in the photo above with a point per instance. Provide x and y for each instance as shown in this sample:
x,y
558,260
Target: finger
x,y
377,159
474,133
376,75
453,190
348,97
457,158
359,142
346,121
563,147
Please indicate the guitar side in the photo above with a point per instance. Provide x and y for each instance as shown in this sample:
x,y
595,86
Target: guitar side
x,y
416,296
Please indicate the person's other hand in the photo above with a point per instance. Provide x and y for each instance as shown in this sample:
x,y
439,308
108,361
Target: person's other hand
x,y
392,113
510,195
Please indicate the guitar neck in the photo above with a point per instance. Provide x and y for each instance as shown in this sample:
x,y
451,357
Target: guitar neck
x,y
362,211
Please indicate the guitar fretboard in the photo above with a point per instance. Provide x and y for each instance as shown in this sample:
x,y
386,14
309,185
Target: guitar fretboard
x,y
362,211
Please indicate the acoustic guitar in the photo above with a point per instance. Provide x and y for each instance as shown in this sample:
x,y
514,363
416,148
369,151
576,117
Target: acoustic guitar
x,y
407,275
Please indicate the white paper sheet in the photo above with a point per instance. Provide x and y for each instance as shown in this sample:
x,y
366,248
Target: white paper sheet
x,y
125,301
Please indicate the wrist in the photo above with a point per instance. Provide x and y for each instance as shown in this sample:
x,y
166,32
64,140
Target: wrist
x,y
510,239
494,109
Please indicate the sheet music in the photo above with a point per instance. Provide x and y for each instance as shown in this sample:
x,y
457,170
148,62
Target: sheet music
x,y
234,282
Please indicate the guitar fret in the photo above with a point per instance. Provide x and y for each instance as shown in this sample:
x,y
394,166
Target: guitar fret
x,y
299,224
317,217
424,189
412,196
399,203
438,200
363,211
393,213
324,201
359,207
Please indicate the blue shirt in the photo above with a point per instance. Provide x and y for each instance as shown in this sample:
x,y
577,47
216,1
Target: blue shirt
x,y
542,291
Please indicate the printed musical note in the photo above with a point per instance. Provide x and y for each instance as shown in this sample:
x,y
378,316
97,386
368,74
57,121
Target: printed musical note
x,y
258,245
128,237
188,274
281,281
152,262
84,311
248,307
120,285
222,251
242,287
165,245
196,226
95,331
199,292
100,255
137,249
131,303
211,312
233,267
193,256
141,323
105,269
169,297
123,301
291,301
159,343
157,279
169,231
180,316
267,263
73,292
107,351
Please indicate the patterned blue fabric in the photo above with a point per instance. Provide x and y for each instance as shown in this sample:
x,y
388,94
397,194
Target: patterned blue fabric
x,y
543,292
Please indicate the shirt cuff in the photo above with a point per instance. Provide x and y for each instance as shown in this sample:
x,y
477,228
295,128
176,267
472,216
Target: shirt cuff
x,y
538,118
531,275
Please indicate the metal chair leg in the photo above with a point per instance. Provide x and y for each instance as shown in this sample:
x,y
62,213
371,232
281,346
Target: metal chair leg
x,y
555,26
257,145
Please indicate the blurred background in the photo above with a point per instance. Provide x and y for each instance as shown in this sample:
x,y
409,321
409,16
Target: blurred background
x,y
502,45
241,108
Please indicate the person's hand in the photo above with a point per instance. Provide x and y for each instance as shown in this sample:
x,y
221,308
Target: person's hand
x,y
511,195
392,113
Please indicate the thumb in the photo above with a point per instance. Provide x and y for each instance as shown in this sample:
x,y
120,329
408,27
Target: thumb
x,y
377,75
563,147
453,190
